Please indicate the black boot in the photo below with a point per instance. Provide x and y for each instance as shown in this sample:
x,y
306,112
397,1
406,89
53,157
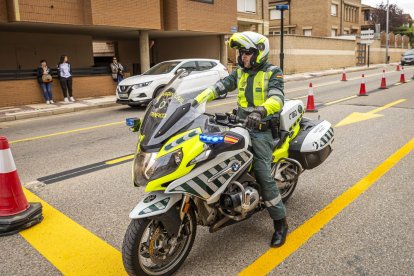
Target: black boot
x,y
281,229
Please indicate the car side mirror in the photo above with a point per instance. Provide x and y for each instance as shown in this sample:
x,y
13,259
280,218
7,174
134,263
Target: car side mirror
x,y
182,73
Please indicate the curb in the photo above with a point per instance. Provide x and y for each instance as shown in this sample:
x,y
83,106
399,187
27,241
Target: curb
x,y
35,114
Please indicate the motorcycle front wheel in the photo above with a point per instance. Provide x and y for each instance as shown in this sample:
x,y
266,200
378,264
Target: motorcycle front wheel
x,y
149,250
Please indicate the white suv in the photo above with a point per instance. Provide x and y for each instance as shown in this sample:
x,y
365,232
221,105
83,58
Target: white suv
x,y
139,90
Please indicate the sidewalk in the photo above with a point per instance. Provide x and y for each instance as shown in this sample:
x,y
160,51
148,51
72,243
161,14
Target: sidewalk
x,y
43,109
39,110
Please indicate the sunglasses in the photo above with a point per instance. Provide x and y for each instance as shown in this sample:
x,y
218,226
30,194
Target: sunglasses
x,y
247,53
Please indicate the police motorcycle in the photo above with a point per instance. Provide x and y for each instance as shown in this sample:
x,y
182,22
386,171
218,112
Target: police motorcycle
x,y
197,170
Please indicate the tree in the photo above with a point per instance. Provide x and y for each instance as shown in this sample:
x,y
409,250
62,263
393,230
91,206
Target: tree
x,y
396,18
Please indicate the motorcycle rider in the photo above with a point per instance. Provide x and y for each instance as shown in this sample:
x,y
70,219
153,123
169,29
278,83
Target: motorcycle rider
x,y
260,94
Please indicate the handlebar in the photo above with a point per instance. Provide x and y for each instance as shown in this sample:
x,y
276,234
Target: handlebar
x,y
230,120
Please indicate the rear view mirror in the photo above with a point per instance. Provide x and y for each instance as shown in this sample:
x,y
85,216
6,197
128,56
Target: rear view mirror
x,y
182,72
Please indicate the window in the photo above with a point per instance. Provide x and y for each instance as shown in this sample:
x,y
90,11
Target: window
x,y
367,16
189,66
205,65
307,32
334,9
275,15
162,68
346,32
333,32
246,6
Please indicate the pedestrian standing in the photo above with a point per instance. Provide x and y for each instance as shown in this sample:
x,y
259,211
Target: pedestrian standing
x,y
117,70
44,78
65,78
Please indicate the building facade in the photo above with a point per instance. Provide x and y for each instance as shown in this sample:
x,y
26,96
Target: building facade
x,y
140,33
324,18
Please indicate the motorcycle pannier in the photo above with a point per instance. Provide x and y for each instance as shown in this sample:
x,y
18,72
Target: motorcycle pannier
x,y
313,143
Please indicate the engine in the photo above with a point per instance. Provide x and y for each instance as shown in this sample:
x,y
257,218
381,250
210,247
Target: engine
x,y
239,201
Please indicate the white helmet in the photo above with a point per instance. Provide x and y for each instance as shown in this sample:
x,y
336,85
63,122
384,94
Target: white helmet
x,y
250,41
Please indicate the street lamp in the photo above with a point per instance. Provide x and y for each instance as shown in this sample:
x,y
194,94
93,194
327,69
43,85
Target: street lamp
x,y
281,8
386,33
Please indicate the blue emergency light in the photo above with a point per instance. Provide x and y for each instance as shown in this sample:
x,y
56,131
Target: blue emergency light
x,y
211,139
133,123
130,121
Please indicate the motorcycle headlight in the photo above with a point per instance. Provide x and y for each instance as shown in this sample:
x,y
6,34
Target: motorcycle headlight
x,y
139,85
147,168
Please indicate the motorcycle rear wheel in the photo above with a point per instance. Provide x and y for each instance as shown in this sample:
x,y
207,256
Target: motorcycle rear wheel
x,y
144,251
289,175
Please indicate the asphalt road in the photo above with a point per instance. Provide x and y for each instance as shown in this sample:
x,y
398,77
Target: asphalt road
x,y
372,235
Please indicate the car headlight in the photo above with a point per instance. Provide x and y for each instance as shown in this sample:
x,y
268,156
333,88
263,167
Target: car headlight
x,y
147,167
139,85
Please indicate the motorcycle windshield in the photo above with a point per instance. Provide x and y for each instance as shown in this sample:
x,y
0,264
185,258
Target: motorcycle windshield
x,y
170,112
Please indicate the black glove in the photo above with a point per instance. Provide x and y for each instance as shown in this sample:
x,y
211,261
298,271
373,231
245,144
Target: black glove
x,y
254,119
232,118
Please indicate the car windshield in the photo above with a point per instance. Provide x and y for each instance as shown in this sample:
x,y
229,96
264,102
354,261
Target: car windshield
x,y
409,53
170,112
162,68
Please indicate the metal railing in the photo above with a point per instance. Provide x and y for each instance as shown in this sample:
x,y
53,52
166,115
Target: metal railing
x,y
32,73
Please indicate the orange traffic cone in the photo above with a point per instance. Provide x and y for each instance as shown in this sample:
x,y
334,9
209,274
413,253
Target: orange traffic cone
x,y
343,75
402,77
383,81
398,67
15,212
362,88
310,105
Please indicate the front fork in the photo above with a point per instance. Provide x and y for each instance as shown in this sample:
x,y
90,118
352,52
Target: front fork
x,y
185,205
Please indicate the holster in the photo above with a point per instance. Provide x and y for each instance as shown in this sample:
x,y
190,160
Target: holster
x,y
273,122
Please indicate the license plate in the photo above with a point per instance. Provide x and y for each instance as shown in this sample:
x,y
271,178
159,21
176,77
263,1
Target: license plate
x,y
123,95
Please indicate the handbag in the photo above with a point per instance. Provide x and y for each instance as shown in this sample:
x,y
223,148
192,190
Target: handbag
x,y
47,78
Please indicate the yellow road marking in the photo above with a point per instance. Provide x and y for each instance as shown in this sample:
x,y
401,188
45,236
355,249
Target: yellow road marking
x,y
64,132
273,257
115,123
71,248
356,117
118,160
341,100
386,106
86,128
222,104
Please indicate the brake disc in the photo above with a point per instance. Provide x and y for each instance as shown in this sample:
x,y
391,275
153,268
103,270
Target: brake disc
x,y
157,252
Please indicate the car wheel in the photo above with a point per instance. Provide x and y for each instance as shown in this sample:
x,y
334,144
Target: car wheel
x,y
402,63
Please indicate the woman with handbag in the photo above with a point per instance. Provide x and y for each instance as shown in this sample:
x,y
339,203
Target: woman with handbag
x,y
44,78
117,70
